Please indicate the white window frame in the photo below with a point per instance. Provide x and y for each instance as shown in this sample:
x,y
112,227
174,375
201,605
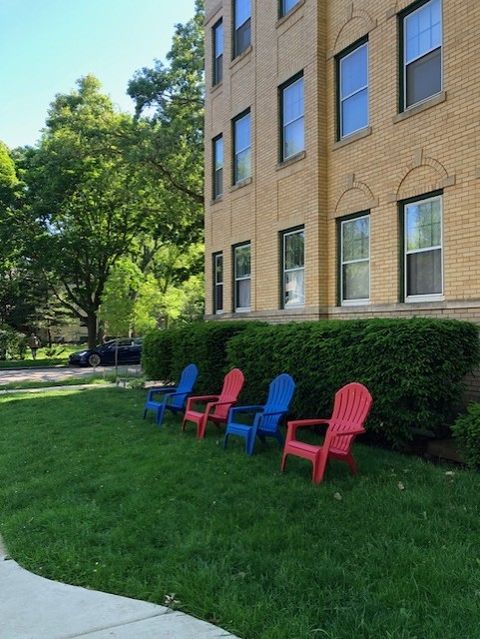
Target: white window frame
x,y
363,300
215,28
343,98
432,297
216,139
241,309
283,11
405,63
216,283
292,270
237,151
285,124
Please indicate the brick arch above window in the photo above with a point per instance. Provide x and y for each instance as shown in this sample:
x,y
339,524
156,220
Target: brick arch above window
x,y
357,24
422,175
356,196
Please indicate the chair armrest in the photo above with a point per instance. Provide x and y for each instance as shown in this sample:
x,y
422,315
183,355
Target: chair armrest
x,y
160,389
200,398
246,409
292,427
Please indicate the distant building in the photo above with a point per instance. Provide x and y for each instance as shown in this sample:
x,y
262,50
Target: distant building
x,y
342,158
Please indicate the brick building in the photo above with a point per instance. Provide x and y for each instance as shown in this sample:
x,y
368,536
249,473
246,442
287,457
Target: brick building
x,y
342,158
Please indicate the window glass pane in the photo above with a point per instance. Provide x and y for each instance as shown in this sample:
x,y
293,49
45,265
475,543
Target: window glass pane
x,y
424,77
242,261
218,185
294,288
218,36
242,133
293,139
423,225
294,250
242,38
242,12
293,101
218,153
218,269
355,112
424,273
243,166
243,294
354,71
356,281
219,297
287,5
423,30
355,240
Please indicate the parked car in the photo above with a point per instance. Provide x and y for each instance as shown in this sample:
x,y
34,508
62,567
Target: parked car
x,y
129,352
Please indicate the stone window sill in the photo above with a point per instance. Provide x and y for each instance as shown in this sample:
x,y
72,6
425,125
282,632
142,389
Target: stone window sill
x,y
288,15
293,160
240,185
216,88
241,56
364,133
419,108
217,200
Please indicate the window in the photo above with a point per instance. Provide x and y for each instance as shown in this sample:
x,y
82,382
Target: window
x,y
293,266
352,78
421,38
286,6
242,166
242,277
218,282
355,259
292,118
423,248
217,33
242,26
217,163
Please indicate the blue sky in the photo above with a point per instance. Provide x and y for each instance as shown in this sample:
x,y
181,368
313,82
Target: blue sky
x,y
46,45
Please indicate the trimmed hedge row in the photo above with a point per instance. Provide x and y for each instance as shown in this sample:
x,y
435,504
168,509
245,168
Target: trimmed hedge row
x,y
466,429
166,352
413,368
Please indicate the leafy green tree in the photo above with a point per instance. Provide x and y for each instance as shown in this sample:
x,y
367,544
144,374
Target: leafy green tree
x,y
86,204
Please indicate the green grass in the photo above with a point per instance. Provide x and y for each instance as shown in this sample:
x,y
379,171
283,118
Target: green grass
x,y
92,495
42,359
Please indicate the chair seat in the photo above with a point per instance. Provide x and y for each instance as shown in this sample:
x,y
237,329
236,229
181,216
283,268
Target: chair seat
x,y
194,415
303,447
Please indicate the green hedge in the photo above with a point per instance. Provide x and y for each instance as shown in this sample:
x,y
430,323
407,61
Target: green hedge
x,y
166,352
413,368
466,430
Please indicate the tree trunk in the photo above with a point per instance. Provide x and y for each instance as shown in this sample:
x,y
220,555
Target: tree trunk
x,y
92,330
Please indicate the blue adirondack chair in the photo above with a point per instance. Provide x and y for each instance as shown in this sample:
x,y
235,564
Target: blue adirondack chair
x,y
171,398
267,418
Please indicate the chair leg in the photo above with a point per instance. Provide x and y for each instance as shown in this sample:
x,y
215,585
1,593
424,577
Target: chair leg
x,y
225,440
201,428
250,443
319,467
160,414
184,424
284,462
144,413
353,464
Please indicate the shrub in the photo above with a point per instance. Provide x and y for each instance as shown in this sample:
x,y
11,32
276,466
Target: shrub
x,y
167,352
13,345
413,368
466,430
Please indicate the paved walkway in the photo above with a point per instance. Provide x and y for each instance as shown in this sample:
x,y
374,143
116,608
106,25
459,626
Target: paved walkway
x,y
32,607
52,374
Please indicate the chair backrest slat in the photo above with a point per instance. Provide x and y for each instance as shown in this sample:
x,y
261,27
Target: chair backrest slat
x,y
350,411
280,395
185,385
232,385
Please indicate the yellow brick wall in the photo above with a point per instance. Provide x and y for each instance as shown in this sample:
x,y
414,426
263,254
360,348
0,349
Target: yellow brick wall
x,y
436,147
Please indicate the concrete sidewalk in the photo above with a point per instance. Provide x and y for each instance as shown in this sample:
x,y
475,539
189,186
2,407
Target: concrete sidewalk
x,y
32,607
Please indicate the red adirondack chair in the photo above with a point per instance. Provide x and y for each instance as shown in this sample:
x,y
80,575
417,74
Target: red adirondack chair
x,y
217,406
350,411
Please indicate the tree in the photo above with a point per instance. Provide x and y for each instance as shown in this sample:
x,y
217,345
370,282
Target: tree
x,y
86,205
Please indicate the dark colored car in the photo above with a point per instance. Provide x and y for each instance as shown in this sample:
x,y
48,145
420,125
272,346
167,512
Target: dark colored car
x,y
129,352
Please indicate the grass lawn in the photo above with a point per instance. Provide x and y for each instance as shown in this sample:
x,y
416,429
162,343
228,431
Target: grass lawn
x,y
42,359
92,495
